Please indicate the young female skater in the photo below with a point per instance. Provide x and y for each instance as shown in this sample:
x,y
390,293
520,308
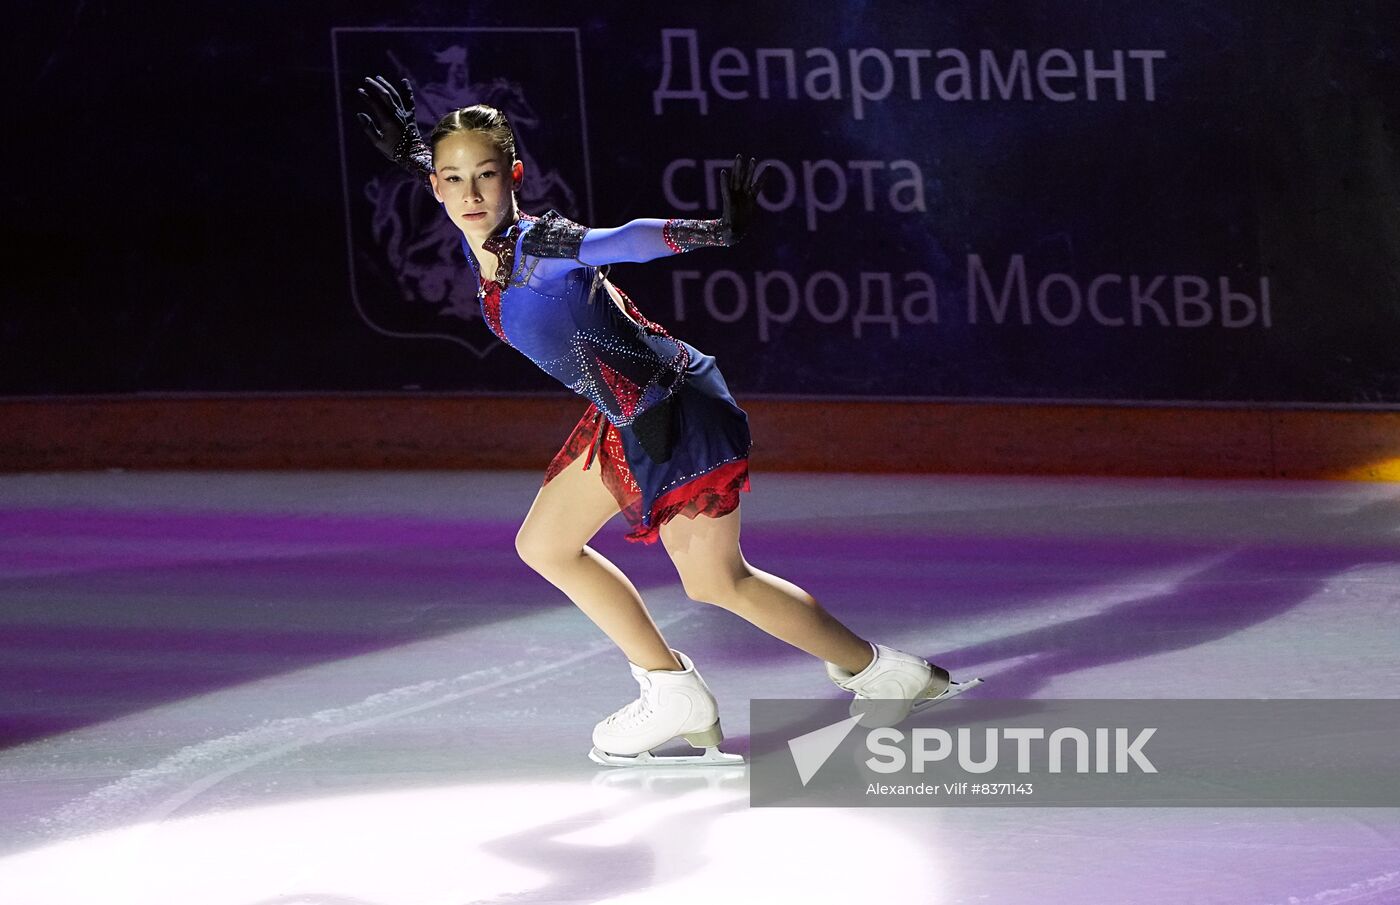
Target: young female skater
x,y
668,438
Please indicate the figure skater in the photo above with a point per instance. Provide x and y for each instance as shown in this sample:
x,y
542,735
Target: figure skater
x,y
667,437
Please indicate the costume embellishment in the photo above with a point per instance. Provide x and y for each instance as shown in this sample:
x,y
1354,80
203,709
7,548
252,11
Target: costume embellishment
x,y
647,325
688,235
503,247
490,295
413,153
554,236
627,393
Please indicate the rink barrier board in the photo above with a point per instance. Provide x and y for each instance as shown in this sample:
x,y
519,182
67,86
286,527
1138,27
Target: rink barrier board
x,y
520,432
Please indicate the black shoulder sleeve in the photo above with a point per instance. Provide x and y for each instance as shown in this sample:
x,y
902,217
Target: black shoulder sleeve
x,y
554,236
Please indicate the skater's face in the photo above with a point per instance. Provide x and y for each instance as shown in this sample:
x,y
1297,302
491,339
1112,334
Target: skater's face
x,y
475,183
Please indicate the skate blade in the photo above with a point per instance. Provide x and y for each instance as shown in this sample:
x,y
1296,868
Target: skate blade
x,y
661,778
712,756
952,691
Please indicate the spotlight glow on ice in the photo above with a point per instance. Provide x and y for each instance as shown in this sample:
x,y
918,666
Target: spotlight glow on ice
x,y
618,840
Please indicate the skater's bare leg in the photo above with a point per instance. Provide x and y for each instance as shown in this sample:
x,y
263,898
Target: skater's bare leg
x,y
553,541
713,570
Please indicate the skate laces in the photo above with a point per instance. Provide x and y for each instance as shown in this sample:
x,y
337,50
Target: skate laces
x,y
631,714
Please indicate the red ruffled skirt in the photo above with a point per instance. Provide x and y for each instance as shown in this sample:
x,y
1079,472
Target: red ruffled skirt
x,y
713,493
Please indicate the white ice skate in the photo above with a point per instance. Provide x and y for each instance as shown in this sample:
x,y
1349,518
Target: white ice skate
x,y
673,703
895,685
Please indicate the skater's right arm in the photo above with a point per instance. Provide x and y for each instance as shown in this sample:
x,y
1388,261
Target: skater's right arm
x,y
392,128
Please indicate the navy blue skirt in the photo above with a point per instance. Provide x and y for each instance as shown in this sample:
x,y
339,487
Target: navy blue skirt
x,y
705,471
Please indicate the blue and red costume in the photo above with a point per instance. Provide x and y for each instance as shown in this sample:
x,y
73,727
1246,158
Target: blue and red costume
x,y
661,423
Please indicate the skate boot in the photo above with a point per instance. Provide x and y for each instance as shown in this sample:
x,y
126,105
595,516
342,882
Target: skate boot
x,y
894,685
673,703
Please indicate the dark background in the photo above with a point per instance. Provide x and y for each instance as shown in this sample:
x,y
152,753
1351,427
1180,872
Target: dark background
x,y
189,200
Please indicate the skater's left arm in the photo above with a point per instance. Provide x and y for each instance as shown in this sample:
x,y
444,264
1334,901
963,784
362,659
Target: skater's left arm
x,y
649,238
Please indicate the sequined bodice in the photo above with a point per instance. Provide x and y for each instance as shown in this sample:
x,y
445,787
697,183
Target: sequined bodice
x,y
565,321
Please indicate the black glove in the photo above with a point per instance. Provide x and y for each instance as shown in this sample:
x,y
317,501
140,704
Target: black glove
x,y
739,191
390,123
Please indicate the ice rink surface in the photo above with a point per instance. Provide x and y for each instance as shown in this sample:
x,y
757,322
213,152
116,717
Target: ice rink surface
x,y
344,688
